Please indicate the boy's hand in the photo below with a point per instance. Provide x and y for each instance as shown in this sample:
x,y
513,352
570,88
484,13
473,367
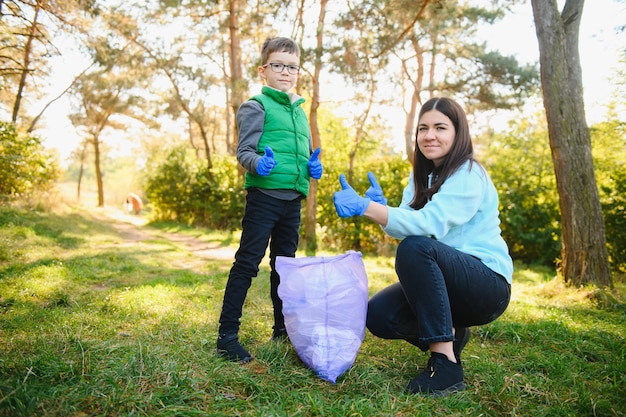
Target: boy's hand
x,y
347,202
266,163
375,192
315,165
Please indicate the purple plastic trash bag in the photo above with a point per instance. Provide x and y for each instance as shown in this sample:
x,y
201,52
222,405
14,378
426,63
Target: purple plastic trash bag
x,y
325,306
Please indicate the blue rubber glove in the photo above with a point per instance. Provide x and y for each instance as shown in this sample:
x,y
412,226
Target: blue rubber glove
x,y
315,165
266,163
347,202
375,193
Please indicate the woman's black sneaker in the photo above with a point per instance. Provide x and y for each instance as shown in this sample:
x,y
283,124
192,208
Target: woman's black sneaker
x,y
440,377
228,347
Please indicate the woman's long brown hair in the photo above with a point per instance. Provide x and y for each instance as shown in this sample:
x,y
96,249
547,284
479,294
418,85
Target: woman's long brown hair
x,y
460,152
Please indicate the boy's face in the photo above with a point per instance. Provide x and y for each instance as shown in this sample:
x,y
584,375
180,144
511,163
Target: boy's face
x,y
282,80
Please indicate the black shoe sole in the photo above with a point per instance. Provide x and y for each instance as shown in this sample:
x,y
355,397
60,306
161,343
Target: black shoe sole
x,y
459,386
226,355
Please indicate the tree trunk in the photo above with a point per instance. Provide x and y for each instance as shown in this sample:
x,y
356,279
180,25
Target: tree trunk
x,y
83,152
96,148
310,217
207,148
237,83
411,114
25,64
231,144
584,253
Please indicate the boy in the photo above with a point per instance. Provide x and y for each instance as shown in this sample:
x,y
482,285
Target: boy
x,y
275,149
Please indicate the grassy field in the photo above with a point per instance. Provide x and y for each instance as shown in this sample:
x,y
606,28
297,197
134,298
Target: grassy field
x,y
104,316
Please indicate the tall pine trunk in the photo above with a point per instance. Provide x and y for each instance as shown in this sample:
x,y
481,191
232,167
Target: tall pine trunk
x,y
310,216
98,167
584,256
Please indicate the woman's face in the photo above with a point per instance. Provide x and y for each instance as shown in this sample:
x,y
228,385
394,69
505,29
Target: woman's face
x,y
435,136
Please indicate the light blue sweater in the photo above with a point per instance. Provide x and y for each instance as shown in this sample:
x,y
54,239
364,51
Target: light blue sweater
x,y
463,214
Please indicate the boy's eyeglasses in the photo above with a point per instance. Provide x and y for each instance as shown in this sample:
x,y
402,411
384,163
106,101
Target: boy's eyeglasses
x,y
292,69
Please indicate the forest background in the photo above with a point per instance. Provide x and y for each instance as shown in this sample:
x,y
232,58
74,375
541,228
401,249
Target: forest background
x,y
157,85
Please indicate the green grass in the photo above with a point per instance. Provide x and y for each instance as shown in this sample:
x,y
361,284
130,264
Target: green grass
x,y
93,325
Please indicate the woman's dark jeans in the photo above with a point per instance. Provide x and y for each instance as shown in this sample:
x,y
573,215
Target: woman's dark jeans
x,y
266,220
440,288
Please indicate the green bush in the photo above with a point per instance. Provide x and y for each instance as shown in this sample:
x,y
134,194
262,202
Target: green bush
x,y
26,168
219,198
614,209
168,186
520,165
180,188
608,141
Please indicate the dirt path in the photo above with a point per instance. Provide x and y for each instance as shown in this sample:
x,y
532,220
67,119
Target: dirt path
x,y
133,228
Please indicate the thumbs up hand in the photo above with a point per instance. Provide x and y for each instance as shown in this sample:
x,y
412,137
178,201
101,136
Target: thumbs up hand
x,y
347,202
266,163
375,192
315,165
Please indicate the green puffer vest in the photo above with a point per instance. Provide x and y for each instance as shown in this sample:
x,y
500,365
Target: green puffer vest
x,y
286,131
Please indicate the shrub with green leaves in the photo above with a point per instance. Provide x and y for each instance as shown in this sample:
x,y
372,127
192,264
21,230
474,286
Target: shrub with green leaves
x,y
614,209
219,198
180,188
168,186
520,165
25,165
608,141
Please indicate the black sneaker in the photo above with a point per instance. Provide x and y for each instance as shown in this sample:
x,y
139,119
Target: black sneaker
x,y
440,377
278,335
461,336
228,347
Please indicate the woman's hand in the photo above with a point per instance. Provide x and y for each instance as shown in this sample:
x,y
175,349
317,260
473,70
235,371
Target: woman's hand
x,y
347,202
375,192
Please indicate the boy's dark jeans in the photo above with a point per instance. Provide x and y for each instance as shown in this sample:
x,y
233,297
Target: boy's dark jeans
x,y
440,288
266,220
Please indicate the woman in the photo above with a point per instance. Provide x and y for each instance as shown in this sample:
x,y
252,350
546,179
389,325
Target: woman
x,y
453,266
